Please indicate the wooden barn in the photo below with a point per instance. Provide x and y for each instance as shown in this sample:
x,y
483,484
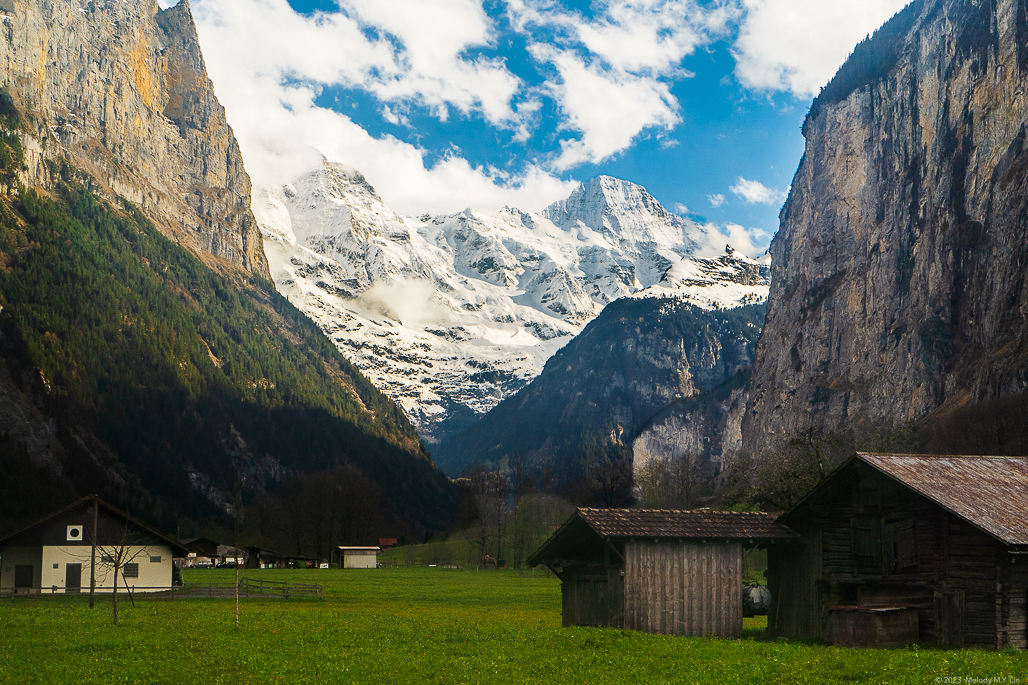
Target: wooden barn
x,y
658,571
896,549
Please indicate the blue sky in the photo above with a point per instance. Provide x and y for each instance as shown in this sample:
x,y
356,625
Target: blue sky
x,y
446,104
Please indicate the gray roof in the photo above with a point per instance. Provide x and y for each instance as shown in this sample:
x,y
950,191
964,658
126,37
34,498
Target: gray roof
x,y
988,492
578,538
684,524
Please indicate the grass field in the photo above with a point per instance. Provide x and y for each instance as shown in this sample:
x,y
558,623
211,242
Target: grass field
x,y
422,626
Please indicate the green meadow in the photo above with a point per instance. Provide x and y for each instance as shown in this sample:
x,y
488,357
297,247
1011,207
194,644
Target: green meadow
x,y
422,625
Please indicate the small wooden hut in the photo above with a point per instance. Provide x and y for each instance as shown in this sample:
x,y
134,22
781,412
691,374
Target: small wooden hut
x,y
658,571
896,549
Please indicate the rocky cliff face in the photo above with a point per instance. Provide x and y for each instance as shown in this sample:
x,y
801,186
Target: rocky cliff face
x,y
707,428
120,91
898,276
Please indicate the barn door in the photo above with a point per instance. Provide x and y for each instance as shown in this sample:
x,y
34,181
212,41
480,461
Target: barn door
x,y
951,618
72,577
23,576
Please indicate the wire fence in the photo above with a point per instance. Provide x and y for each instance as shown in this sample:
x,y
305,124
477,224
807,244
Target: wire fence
x,y
248,588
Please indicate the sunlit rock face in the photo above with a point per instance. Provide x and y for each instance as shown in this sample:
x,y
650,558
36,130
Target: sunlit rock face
x,y
898,284
120,91
449,315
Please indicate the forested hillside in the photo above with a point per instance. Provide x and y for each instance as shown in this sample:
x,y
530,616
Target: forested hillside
x,y
134,370
637,358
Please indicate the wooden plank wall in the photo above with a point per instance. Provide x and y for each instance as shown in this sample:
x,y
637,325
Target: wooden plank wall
x,y
971,569
1014,613
592,596
793,571
684,588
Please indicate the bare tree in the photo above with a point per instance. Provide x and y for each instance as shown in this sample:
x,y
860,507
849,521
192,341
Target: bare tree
x,y
521,484
611,483
116,559
676,483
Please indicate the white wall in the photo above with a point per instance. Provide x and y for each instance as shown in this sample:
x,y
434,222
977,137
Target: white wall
x,y
153,576
18,556
360,559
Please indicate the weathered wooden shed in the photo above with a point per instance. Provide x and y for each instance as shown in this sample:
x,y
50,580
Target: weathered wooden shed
x,y
658,571
895,549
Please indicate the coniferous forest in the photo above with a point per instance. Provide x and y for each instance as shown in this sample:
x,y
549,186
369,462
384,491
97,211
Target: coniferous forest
x,y
168,386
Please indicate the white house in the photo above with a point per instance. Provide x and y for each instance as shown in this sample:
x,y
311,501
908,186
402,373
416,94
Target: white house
x,y
56,553
358,557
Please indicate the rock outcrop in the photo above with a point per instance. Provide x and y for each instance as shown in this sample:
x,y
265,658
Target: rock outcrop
x,y
119,90
898,276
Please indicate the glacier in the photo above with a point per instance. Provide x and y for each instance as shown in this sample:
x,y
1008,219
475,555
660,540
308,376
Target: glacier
x,y
448,315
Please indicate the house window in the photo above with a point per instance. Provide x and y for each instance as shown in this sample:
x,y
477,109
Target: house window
x,y
867,546
131,571
155,560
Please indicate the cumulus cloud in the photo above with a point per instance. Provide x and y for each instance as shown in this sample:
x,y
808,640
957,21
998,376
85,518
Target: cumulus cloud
x,y
613,70
431,67
269,64
681,209
716,200
797,46
755,192
752,242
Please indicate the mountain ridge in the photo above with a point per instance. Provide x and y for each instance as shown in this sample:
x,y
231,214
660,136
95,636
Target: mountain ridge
x,y
451,314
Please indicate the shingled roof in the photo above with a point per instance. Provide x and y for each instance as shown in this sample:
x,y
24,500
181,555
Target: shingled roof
x,y
988,492
589,531
684,524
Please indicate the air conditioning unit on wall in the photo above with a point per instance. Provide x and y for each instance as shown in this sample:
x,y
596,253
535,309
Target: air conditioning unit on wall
x,y
74,533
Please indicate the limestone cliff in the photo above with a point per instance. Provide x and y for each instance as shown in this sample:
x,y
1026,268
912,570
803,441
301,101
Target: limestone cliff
x,y
121,92
898,276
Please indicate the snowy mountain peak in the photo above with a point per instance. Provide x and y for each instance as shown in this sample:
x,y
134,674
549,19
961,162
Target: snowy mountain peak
x,y
628,216
450,314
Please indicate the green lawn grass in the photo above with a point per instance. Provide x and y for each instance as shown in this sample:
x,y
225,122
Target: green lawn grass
x,y
420,626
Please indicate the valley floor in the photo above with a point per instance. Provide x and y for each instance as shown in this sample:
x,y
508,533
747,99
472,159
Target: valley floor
x,y
422,625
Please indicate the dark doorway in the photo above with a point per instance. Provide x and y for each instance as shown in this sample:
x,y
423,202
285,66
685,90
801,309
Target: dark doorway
x,y
23,576
73,577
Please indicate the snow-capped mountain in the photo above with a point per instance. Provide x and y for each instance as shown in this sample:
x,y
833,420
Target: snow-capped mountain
x,y
449,315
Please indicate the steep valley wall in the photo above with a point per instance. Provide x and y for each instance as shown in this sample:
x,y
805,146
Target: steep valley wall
x,y
898,276
120,91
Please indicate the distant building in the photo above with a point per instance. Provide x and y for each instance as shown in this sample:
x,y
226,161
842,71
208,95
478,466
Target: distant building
x,y
54,554
202,552
358,557
895,549
231,555
259,557
659,571
387,543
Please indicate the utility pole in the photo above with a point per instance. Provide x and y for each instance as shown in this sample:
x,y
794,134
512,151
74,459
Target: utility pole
x,y
92,553
235,545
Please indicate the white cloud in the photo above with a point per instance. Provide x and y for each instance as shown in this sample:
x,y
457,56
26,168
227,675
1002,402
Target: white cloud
x,y
755,192
430,68
681,209
752,242
797,45
609,108
268,64
716,200
614,70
